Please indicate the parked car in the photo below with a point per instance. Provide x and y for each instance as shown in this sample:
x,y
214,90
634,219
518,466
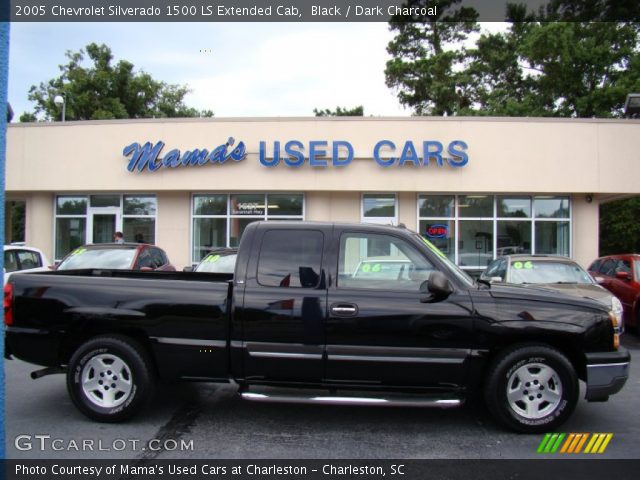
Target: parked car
x,y
117,256
554,272
219,260
20,258
287,327
620,274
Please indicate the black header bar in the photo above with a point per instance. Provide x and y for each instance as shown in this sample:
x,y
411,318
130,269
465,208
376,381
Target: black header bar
x,y
299,11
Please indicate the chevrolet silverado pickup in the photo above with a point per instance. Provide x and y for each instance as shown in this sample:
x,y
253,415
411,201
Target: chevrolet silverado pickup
x,y
319,313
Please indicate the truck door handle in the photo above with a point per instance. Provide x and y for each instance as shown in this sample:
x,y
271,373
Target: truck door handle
x,y
344,309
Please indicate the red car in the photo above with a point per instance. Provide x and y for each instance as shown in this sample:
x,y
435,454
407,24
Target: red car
x,y
620,274
119,256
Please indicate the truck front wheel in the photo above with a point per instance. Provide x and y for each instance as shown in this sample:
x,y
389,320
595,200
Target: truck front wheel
x,y
531,388
109,378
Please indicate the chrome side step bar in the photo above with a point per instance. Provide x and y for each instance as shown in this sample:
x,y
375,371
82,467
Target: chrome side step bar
x,y
386,400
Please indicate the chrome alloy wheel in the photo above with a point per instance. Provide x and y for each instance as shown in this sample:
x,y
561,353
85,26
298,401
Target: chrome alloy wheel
x,y
534,390
106,380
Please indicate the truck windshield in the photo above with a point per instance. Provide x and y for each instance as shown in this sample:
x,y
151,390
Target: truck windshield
x,y
454,269
217,263
532,271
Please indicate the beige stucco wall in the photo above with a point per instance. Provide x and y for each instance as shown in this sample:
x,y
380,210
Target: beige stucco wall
x,y
173,226
528,156
508,155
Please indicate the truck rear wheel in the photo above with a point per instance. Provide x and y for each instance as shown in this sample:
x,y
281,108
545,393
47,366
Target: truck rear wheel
x,y
531,388
109,378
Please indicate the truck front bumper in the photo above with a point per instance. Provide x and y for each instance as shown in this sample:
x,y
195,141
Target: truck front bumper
x,y
606,374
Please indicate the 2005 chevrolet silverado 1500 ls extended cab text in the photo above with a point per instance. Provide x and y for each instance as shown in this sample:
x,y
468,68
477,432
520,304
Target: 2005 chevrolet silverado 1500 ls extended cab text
x,y
318,312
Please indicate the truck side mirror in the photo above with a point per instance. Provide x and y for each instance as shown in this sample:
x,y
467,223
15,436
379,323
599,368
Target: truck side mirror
x,y
495,279
436,288
190,268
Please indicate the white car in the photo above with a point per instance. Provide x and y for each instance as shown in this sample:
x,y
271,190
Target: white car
x,y
19,258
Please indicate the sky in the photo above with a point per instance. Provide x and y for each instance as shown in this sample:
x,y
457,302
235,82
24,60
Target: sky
x,y
234,69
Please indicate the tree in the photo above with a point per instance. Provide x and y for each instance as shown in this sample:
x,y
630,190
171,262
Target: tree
x,y
106,91
340,112
543,65
619,226
427,67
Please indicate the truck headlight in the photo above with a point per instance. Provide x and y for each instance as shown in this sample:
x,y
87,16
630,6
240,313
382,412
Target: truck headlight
x,y
616,310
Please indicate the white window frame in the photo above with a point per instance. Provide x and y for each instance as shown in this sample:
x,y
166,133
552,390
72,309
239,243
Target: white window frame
x,y
228,216
456,218
379,220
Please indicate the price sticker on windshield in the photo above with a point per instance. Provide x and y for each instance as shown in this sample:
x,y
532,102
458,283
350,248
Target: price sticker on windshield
x,y
213,259
78,251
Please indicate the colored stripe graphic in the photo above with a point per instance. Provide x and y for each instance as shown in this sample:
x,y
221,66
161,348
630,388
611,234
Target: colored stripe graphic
x,y
556,443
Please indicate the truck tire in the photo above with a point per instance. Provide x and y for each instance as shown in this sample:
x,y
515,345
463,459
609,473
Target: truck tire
x,y
110,378
531,388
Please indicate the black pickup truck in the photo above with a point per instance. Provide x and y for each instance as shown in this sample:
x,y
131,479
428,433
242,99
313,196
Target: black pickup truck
x,y
321,313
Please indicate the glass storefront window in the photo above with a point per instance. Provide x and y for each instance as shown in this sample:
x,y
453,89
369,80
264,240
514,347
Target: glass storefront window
x,y
247,205
519,207
208,233
379,205
140,205
70,234
552,238
210,205
436,206
104,200
95,218
213,227
139,230
442,234
513,237
486,226
475,243
71,205
284,204
475,206
551,207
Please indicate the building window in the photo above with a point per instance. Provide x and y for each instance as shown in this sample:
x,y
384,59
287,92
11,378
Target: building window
x,y
472,230
139,218
379,208
71,224
81,219
219,220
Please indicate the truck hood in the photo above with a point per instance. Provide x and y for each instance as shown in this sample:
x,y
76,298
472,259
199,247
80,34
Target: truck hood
x,y
563,296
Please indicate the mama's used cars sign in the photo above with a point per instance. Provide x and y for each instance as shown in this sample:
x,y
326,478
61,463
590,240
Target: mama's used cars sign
x,y
294,153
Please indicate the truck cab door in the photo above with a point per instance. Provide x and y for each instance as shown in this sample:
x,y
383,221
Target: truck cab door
x,y
378,330
283,309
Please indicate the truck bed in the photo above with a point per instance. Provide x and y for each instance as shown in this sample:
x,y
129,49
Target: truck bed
x,y
181,317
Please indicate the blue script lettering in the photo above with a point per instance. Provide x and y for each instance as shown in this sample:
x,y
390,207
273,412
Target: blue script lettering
x,y
147,156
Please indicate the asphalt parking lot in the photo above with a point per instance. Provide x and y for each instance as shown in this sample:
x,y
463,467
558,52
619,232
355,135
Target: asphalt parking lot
x,y
190,421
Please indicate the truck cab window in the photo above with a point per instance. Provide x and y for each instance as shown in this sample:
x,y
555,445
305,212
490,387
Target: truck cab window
x,y
363,265
290,259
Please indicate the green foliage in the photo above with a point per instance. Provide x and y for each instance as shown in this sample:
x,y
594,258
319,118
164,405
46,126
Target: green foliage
x,y
620,226
428,64
536,68
106,91
340,112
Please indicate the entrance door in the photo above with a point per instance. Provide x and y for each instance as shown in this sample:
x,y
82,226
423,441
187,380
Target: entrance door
x,y
103,224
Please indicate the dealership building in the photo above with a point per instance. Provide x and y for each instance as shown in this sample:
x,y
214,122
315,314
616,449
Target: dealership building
x,y
476,187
